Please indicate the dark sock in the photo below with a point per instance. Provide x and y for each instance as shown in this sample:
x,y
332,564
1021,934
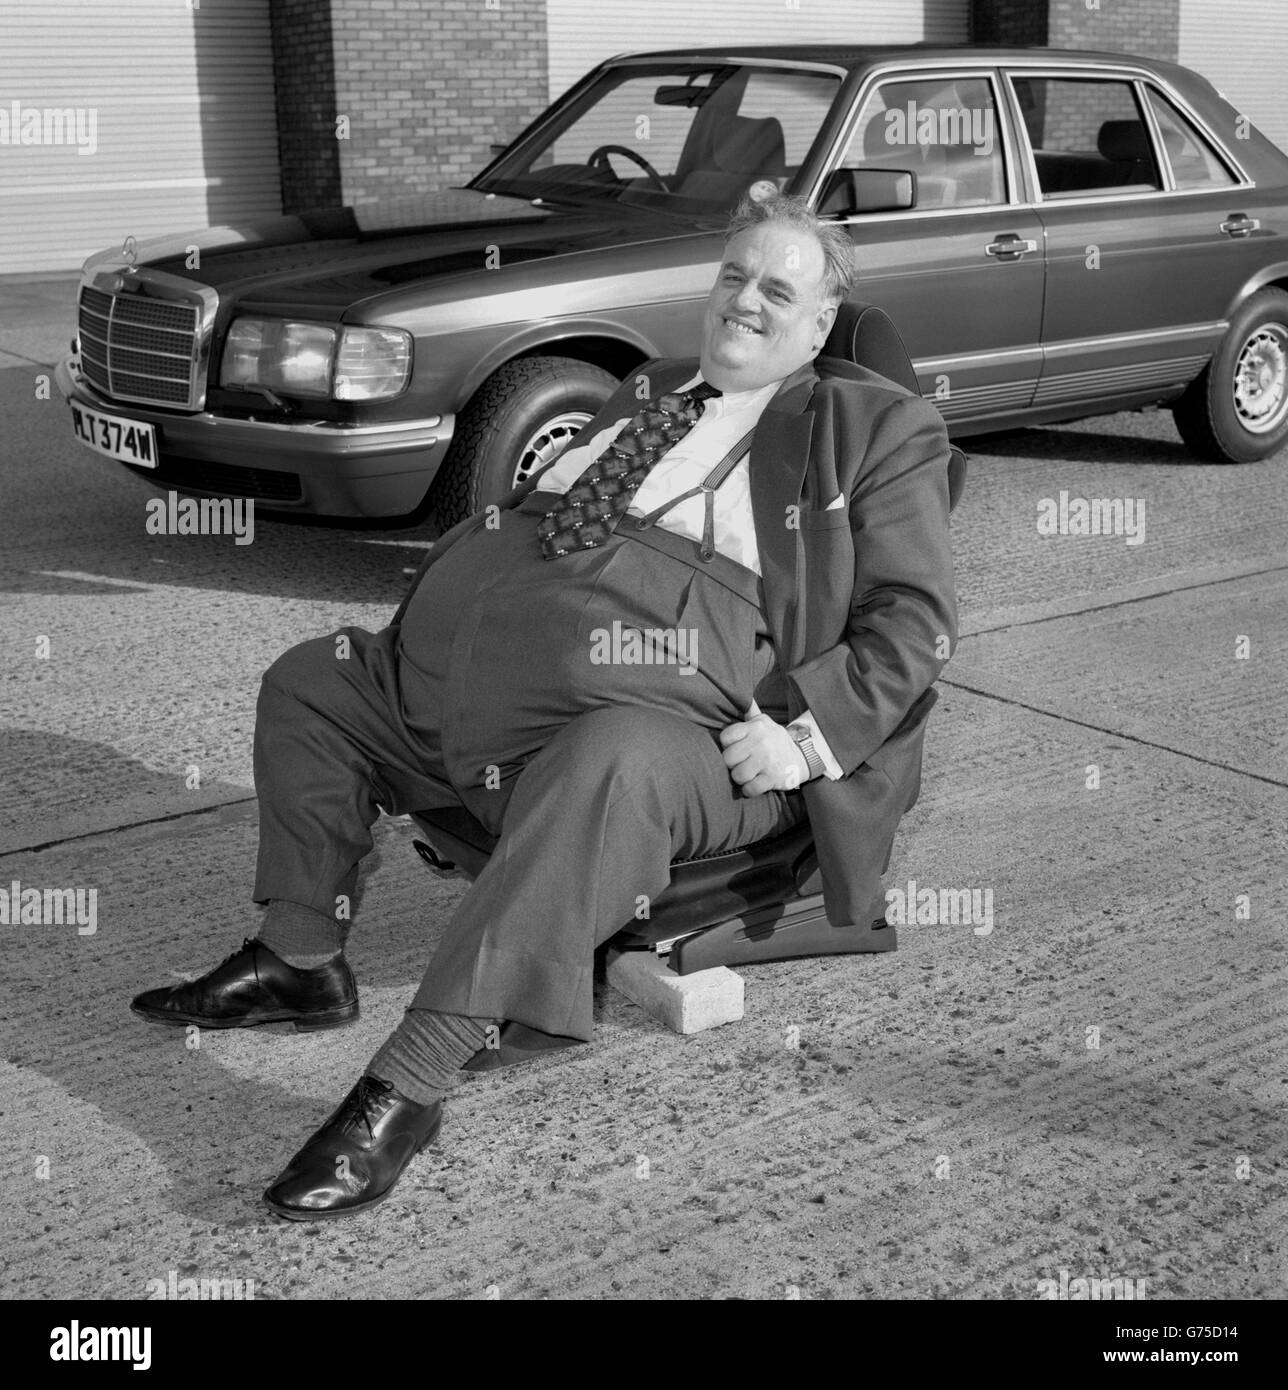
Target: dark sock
x,y
423,1056
302,936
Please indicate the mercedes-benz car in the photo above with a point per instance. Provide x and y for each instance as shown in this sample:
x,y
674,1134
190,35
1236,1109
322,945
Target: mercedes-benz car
x,y
1056,234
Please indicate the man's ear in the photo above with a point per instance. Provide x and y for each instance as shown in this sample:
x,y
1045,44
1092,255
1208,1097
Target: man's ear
x,y
826,318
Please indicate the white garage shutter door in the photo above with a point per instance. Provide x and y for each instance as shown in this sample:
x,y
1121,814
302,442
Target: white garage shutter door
x,y
1243,50
583,32
173,108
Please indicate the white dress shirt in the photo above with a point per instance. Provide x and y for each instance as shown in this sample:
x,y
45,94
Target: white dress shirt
x,y
724,421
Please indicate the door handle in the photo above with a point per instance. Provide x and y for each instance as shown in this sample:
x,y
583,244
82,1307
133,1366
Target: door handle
x,y
1010,247
1238,224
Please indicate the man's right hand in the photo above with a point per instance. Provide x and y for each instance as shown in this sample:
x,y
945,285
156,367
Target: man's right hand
x,y
762,756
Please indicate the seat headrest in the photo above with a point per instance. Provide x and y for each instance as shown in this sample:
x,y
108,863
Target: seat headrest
x,y
1123,142
865,335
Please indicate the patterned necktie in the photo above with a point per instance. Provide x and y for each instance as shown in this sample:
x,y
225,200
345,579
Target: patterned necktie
x,y
588,513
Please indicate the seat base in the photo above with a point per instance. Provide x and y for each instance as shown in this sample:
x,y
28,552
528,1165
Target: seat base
x,y
788,931
773,925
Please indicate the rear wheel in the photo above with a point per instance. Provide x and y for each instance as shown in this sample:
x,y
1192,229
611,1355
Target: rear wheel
x,y
522,416
1237,410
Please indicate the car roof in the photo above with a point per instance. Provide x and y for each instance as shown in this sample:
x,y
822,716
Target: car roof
x,y
856,56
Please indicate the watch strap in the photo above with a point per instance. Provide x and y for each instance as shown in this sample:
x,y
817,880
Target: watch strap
x,y
804,737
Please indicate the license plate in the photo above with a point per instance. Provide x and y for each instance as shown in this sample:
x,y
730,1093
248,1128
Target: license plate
x,y
129,441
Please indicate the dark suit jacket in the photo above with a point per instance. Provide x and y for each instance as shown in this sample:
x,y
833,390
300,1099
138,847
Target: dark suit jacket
x,y
860,598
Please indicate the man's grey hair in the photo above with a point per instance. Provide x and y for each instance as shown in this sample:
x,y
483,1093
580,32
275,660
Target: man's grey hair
x,y
839,269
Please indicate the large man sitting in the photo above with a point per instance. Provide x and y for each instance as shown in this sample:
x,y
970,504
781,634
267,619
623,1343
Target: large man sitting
x,y
806,590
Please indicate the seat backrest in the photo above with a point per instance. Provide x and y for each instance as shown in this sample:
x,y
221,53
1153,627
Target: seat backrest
x,y
879,148
737,152
974,177
746,145
865,335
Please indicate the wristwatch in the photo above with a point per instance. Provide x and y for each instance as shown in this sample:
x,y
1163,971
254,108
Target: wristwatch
x,y
804,737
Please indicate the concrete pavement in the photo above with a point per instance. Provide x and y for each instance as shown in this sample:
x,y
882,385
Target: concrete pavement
x,y
1094,1085
37,317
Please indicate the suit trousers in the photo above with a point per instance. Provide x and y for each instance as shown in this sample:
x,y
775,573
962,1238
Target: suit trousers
x,y
587,828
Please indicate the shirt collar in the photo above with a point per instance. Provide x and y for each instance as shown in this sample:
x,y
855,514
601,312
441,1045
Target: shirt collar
x,y
730,401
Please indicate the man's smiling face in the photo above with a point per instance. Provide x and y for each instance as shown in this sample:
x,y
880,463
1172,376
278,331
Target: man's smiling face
x,y
765,315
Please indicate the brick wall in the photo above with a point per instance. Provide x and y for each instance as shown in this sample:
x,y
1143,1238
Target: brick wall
x,y
304,75
1148,27
1008,21
425,88
1151,28
428,87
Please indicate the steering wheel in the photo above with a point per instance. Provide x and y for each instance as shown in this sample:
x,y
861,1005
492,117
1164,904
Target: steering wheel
x,y
600,156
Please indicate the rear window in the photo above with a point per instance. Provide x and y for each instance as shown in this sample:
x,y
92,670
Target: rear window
x,y
1088,136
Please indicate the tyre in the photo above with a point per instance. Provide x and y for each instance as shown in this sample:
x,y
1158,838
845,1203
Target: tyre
x,y
522,416
1236,411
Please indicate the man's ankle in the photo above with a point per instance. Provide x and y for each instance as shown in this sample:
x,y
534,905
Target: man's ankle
x,y
423,1056
303,937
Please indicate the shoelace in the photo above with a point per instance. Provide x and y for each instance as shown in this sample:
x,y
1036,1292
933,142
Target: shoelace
x,y
248,944
362,1099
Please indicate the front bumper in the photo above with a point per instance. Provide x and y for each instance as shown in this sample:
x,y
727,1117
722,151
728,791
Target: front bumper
x,y
312,467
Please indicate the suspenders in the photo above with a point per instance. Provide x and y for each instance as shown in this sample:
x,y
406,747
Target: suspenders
x,y
707,550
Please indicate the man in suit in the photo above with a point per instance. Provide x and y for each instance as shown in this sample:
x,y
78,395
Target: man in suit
x,y
659,647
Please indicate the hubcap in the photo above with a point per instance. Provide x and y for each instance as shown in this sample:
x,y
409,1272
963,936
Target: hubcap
x,y
548,442
1261,379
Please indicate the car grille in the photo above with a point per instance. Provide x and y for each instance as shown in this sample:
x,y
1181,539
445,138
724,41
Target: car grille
x,y
137,349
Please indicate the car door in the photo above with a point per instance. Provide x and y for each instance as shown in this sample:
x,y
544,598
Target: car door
x,y
1146,237
961,272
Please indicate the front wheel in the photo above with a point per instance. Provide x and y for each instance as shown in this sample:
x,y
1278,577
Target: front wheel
x,y
522,416
1236,411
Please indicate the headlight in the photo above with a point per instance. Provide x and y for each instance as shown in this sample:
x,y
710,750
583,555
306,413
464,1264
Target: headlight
x,y
311,359
293,358
372,363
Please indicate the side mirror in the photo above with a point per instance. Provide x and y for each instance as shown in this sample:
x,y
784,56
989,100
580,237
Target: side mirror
x,y
848,192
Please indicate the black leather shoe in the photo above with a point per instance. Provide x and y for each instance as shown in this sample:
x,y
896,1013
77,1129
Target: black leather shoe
x,y
354,1161
255,986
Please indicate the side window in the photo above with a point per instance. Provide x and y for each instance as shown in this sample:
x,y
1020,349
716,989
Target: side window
x,y
1195,164
1088,136
945,130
